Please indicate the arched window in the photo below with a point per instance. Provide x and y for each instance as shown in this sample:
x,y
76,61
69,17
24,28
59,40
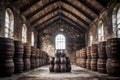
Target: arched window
x,y
32,38
24,33
100,32
60,41
91,39
9,23
116,21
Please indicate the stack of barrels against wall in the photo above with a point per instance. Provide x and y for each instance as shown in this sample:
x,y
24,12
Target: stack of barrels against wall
x,y
103,57
78,57
16,57
113,54
60,63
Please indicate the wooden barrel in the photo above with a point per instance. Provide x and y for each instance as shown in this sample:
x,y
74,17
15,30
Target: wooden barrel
x,y
63,60
18,56
6,67
80,53
18,63
52,60
113,67
19,49
93,64
62,67
94,51
113,48
78,61
57,60
27,51
88,52
51,68
67,60
101,65
37,58
102,50
77,53
32,58
56,68
88,63
6,57
27,64
6,48
26,57
83,53
68,68
83,63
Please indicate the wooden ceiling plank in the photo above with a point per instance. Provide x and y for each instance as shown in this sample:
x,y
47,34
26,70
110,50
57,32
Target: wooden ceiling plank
x,y
40,7
74,10
75,19
90,6
27,6
96,4
81,8
44,11
46,18
53,19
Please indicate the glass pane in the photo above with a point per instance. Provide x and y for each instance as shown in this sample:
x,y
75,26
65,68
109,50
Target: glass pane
x,y
60,41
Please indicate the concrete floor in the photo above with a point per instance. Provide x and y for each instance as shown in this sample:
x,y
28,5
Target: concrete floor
x,y
77,73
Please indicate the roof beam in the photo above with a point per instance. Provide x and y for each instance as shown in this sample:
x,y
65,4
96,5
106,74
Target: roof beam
x,y
53,20
41,7
68,19
26,7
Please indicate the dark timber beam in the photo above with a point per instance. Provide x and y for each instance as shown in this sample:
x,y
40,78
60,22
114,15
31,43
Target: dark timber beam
x,y
90,6
42,16
52,21
72,22
80,10
42,25
26,7
41,8
80,22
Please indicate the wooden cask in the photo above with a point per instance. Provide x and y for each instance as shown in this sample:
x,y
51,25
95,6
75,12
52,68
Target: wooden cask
x,y
102,50
6,56
26,57
18,56
113,48
88,61
101,65
88,52
94,64
94,51
113,67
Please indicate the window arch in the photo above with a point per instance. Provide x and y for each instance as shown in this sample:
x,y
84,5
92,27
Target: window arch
x,y
60,41
24,33
9,23
100,31
116,21
91,39
32,38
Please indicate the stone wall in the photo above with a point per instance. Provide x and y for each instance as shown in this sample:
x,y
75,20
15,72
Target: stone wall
x,y
74,39
18,22
106,17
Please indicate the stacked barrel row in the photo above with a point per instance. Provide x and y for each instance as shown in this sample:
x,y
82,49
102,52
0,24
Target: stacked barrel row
x,y
113,54
16,57
103,57
60,63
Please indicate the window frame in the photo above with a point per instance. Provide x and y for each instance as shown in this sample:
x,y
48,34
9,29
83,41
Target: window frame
x,y
100,31
9,24
24,33
60,42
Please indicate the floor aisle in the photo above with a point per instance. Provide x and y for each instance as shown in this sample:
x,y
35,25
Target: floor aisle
x,y
77,73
